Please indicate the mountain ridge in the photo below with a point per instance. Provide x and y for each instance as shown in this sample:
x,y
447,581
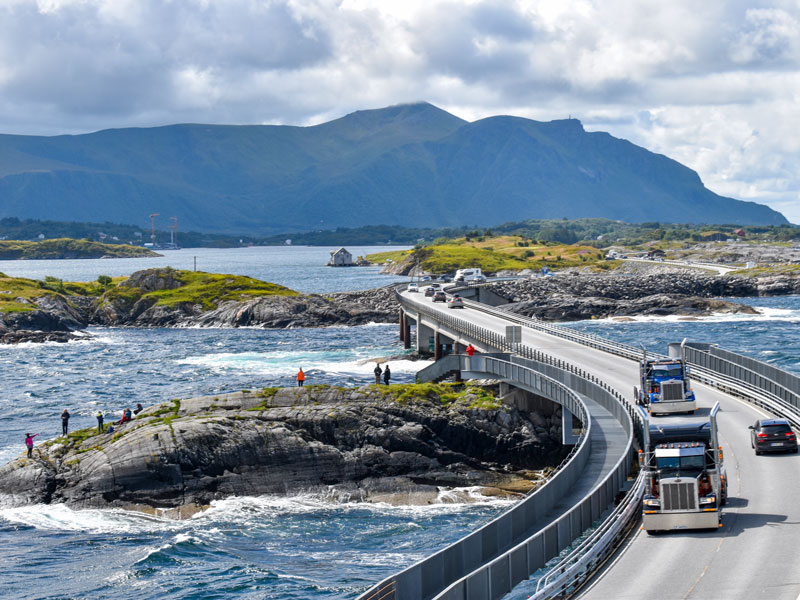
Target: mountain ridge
x,y
411,165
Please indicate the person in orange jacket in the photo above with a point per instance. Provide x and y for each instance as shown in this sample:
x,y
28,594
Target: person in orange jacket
x,y
301,377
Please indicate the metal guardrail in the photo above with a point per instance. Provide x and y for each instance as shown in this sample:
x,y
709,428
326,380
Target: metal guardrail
x,y
426,579
494,579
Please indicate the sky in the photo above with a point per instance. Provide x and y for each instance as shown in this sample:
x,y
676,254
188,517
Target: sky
x,y
714,85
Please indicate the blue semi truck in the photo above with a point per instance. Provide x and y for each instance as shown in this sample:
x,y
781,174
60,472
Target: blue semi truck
x,y
664,384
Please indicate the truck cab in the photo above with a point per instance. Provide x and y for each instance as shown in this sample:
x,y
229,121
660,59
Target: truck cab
x,y
685,479
665,386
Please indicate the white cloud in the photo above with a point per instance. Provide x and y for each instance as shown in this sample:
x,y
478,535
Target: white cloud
x,y
712,84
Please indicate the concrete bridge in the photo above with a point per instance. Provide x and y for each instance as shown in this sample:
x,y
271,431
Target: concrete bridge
x,y
754,553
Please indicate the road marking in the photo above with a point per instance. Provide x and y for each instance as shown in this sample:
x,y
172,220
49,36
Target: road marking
x,y
734,512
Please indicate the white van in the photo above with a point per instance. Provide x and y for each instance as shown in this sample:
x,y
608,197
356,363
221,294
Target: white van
x,y
469,275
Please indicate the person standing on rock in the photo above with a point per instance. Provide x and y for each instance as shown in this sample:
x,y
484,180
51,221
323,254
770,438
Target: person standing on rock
x,y
301,377
65,422
29,443
387,375
99,422
377,372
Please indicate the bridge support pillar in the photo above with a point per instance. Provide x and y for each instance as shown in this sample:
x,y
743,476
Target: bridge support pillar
x,y
402,325
567,437
437,346
406,332
424,335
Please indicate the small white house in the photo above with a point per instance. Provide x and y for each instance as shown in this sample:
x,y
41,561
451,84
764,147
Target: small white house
x,y
340,258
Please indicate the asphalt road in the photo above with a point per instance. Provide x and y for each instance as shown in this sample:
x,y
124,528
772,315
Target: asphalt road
x,y
756,553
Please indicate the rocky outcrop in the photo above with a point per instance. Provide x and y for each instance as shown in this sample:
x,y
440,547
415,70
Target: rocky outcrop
x,y
366,443
56,313
586,296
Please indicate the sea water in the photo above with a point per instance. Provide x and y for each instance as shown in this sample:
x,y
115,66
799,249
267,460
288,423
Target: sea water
x,y
301,547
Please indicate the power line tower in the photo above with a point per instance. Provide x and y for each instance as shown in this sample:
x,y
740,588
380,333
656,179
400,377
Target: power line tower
x,y
173,229
153,227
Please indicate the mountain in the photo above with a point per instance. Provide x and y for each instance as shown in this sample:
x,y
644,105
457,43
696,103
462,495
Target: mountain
x,y
413,165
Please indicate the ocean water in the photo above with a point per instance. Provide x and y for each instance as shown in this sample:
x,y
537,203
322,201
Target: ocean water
x,y
298,267
302,547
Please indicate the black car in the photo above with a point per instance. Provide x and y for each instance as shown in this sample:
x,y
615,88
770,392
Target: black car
x,y
440,296
773,435
429,291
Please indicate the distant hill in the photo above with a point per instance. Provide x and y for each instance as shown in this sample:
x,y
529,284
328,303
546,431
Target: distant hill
x,y
412,165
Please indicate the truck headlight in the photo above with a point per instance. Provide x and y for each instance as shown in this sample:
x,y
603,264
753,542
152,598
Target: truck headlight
x,y
652,502
708,499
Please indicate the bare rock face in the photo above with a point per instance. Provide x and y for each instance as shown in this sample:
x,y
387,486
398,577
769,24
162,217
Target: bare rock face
x,y
587,296
360,441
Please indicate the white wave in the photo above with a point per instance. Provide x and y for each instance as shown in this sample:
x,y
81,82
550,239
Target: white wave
x,y
285,363
244,508
59,517
765,314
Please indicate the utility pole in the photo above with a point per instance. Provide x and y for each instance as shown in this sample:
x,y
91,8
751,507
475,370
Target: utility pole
x,y
153,228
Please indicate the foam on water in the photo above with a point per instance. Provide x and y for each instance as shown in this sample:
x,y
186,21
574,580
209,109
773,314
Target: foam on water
x,y
59,517
766,314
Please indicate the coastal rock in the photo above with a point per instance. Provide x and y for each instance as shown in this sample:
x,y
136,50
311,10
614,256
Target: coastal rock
x,y
364,442
587,296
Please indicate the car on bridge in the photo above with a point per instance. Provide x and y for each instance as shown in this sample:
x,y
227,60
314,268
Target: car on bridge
x,y
413,287
455,302
430,291
772,435
439,296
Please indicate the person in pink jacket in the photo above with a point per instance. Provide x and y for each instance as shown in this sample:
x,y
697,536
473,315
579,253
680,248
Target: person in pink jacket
x,y
29,443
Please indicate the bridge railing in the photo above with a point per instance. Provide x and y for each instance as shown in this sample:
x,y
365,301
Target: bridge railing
x,y
427,578
499,576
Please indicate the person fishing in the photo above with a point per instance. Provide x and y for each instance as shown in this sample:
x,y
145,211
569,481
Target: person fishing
x,y
65,422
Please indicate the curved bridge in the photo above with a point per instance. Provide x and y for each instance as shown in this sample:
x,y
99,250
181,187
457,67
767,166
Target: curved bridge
x,y
754,552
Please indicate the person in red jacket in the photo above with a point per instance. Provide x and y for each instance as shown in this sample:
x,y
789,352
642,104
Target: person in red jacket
x,y
470,350
301,377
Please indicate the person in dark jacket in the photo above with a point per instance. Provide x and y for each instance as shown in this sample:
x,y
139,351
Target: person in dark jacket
x,y
139,408
65,422
377,372
387,375
99,422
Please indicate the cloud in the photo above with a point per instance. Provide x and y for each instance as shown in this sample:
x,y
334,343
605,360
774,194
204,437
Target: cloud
x,y
711,84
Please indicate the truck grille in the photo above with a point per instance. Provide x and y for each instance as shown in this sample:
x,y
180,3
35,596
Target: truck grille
x,y
679,494
671,390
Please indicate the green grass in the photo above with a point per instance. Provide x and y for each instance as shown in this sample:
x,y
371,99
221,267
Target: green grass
x,y
472,396
205,289
494,253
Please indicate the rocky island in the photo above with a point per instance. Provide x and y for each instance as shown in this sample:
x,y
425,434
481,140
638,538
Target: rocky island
x,y
400,444
52,311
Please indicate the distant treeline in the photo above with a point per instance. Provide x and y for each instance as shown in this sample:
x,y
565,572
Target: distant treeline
x,y
600,233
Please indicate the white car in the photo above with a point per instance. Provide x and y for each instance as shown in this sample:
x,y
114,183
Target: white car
x,y
412,287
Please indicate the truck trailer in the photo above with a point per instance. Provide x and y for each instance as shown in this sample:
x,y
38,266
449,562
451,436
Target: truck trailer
x,y
685,479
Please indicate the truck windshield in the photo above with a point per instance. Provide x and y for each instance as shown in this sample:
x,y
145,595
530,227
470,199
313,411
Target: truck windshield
x,y
668,372
680,463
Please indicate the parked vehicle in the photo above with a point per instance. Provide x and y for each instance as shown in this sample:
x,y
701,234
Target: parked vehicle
x,y
685,480
413,287
429,291
772,435
439,296
455,302
664,385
